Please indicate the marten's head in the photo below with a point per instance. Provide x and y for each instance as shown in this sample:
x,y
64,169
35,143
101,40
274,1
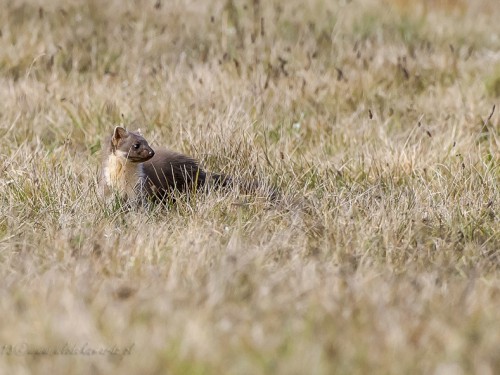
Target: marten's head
x,y
130,145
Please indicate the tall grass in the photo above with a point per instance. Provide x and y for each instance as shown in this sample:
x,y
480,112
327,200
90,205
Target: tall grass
x,y
377,122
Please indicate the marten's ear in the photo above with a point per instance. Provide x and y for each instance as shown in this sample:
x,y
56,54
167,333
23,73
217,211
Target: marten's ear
x,y
118,134
138,131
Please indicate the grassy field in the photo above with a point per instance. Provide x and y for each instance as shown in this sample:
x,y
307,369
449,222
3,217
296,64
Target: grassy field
x,y
376,121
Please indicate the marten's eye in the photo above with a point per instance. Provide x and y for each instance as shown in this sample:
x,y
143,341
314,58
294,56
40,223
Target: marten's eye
x,y
137,145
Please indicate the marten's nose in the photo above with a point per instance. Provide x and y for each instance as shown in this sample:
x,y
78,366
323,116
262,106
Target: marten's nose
x,y
151,153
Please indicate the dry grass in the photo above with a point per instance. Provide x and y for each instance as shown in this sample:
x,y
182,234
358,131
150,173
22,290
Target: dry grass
x,y
371,117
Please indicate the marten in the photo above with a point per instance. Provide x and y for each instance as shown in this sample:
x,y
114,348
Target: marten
x,y
138,174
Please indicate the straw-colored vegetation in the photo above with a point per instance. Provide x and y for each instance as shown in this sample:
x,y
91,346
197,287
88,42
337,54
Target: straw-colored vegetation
x,y
374,119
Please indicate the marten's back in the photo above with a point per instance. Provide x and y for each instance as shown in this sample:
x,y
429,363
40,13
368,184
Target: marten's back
x,y
168,170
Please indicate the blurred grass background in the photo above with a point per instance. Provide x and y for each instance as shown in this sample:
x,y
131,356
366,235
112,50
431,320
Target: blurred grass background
x,y
375,119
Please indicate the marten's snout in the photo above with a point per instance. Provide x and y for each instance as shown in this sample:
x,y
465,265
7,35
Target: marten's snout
x,y
143,154
147,153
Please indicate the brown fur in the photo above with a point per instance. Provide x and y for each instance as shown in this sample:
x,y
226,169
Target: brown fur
x,y
168,171
133,170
